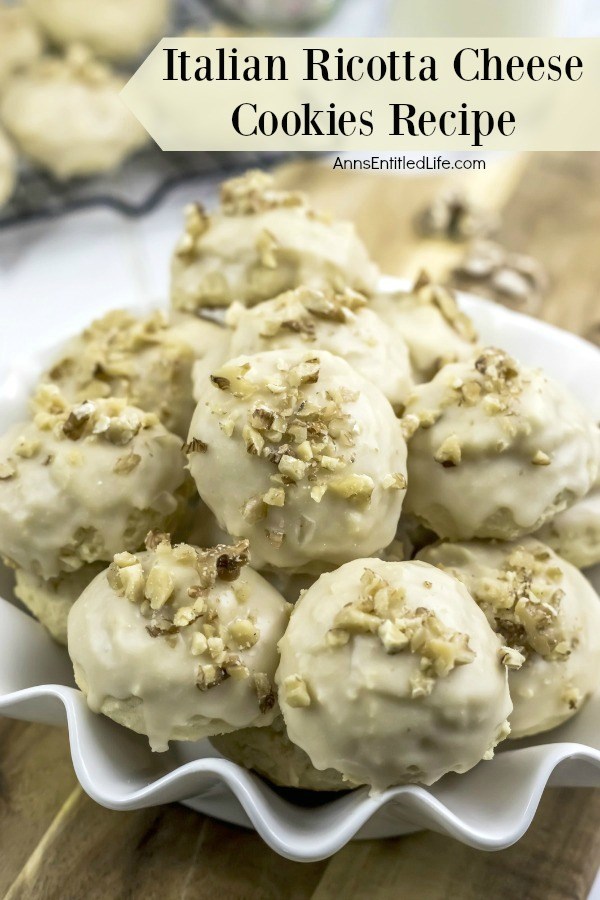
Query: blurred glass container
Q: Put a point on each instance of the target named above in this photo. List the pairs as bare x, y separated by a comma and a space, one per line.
278, 14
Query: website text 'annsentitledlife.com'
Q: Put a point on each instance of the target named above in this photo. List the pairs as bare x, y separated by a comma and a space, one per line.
427, 163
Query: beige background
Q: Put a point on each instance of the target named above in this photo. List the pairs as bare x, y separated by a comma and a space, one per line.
196, 115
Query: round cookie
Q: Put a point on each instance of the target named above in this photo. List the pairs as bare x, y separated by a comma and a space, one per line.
339, 322
20, 42
51, 601
548, 616
496, 449
8, 169
428, 320
179, 643
79, 484
66, 115
261, 242
298, 453
575, 533
270, 752
390, 674
114, 29
149, 360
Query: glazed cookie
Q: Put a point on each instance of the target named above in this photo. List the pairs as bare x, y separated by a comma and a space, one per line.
8, 169
260, 243
78, 484
179, 643
148, 360
575, 533
548, 616
114, 29
496, 449
428, 320
270, 752
339, 322
51, 601
391, 674
295, 451
65, 113
20, 42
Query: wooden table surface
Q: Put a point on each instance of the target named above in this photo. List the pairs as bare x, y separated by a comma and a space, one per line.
56, 843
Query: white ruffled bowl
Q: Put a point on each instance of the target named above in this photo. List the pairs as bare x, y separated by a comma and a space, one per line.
490, 807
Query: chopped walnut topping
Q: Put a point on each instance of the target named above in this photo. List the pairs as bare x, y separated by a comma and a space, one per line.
159, 586
541, 459
194, 446
199, 644
253, 193
395, 481
301, 310
275, 536
231, 560
27, 448
126, 464
7, 470
197, 223
353, 487
382, 610
295, 692
511, 657
522, 602
209, 676
184, 616
410, 424
77, 420
573, 697
110, 419
161, 629
427, 292
254, 510
221, 382
155, 538
449, 453
244, 633
264, 691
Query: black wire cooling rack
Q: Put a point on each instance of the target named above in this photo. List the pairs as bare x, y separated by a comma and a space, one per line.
143, 181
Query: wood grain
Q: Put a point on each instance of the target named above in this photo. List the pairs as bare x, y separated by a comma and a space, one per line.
56, 843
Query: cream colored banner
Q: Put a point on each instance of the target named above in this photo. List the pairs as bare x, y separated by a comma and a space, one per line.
370, 94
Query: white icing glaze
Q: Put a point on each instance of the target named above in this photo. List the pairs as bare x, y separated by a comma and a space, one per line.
67, 116
340, 323
150, 684
20, 41
71, 501
346, 499
260, 243
501, 448
363, 718
429, 322
575, 533
115, 29
517, 582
